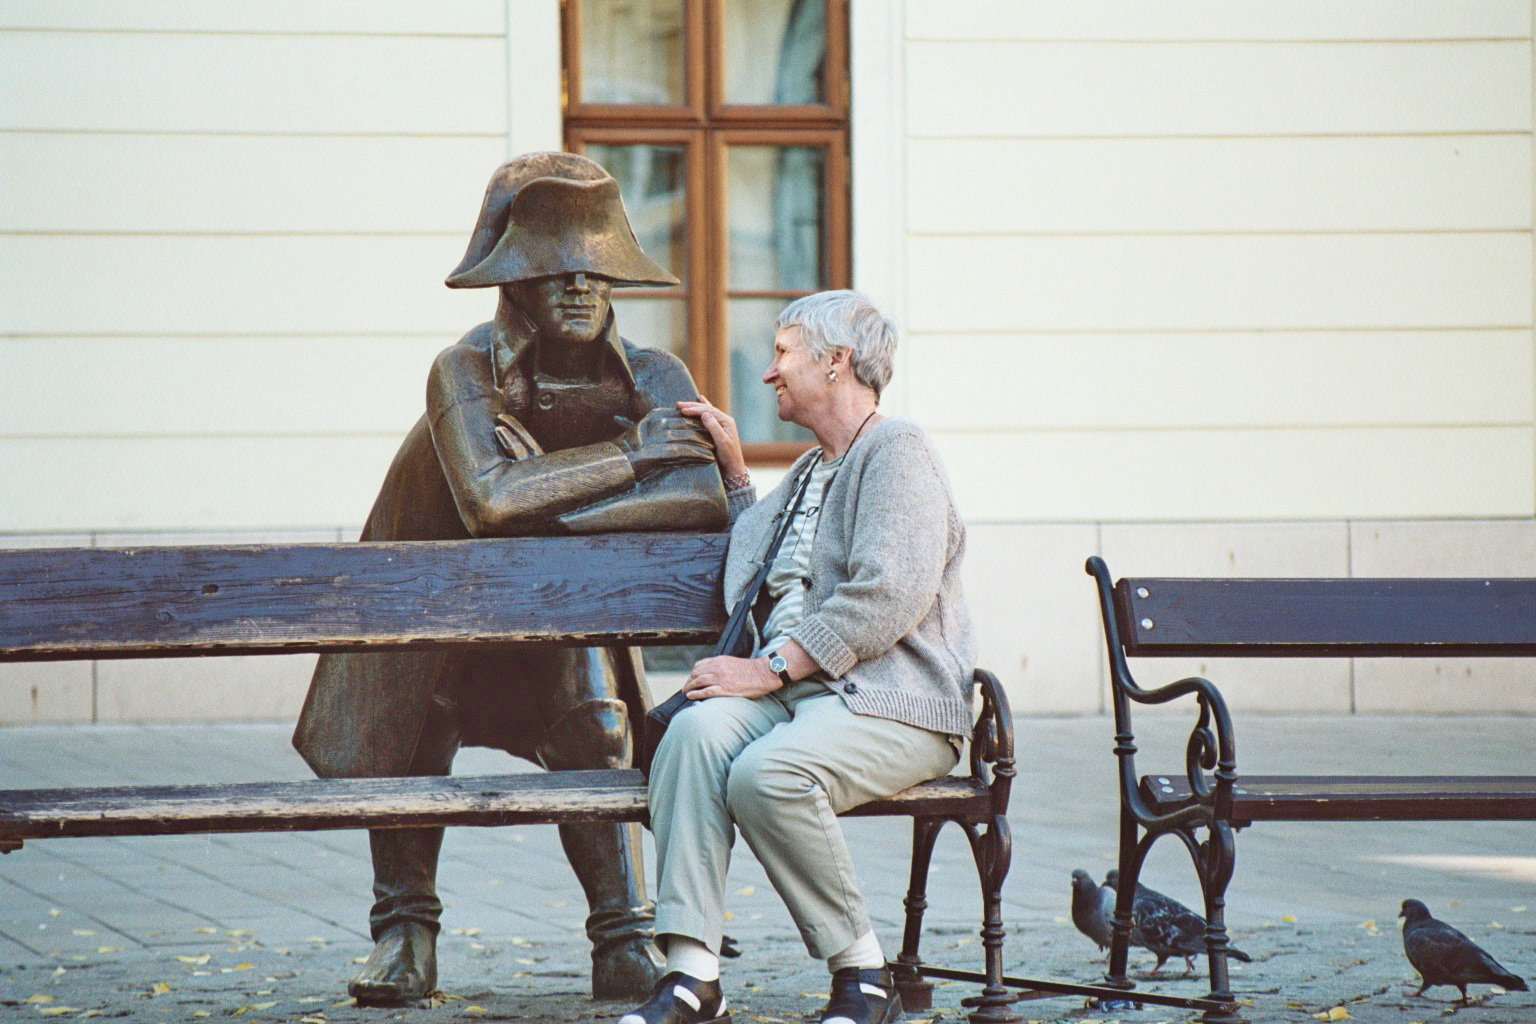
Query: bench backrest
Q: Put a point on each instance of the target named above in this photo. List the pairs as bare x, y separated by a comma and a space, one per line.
71, 603
1161, 617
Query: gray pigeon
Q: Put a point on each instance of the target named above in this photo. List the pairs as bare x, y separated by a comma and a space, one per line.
1167, 927
1444, 956
1092, 906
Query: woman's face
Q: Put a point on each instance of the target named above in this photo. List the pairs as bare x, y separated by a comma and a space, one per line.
796, 377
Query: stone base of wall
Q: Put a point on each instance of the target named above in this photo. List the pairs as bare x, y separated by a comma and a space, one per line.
1034, 607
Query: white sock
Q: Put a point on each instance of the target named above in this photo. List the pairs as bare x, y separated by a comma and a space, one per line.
865, 953
692, 957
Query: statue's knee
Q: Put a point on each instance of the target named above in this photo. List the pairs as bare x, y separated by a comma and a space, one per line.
593, 734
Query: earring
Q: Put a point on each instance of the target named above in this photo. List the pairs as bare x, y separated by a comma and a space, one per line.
832, 376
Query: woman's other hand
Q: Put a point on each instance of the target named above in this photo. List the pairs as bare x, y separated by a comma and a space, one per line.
722, 430
731, 677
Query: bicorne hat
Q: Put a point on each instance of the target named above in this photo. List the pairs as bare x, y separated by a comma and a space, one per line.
553, 213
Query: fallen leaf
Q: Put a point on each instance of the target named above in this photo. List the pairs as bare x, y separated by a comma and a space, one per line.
1337, 1013
199, 960
311, 1020
58, 972
1498, 990
730, 916
359, 959
556, 903
240, 931
89, 1013
201, 974
242, 967
474, 1009
344, 1002
264, 1006
465, 931
1495, 924
815, 995
524, 960
109, 949
746, 890
314, 938
159, 988
1517, 910
81, 931
39, 999
1059, 920
1366, 924
54, 912
477, 945
206, 931
202, 1013
1288, 919
54, 1011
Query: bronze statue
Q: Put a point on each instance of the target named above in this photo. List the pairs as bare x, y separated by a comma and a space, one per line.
543, 421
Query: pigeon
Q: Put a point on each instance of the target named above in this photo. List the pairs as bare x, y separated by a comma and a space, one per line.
1444, 956
1092, 906
1167, 927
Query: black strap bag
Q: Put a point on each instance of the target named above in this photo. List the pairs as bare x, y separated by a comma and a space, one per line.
735, 640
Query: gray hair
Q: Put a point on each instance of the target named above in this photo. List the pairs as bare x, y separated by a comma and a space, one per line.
846, 319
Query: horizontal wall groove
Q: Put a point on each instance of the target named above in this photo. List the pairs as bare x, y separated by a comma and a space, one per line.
1153, 331
254, 133
1232, 233
1209, 41
1216, 136
231, 233
937, 427
214, 435
253, 33
215, 335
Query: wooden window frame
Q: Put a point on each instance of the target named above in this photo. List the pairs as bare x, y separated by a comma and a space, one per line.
705, 125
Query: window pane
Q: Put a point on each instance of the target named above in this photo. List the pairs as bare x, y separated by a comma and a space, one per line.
753, 404
776, 212
632, 51
652, 323
775, 51
653, 181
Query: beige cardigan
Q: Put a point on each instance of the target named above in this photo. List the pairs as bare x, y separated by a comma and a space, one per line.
885, 617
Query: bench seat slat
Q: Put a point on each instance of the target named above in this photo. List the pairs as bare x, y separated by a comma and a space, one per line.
1327, 617
528, 798
1362, 797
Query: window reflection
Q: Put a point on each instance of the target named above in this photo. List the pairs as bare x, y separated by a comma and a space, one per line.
632, 51
753, 403
775, 212
775, 51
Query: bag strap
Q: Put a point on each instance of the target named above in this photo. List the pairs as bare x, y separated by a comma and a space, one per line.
731, 635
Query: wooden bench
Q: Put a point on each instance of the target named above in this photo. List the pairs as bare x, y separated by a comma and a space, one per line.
1268, 618
653, 588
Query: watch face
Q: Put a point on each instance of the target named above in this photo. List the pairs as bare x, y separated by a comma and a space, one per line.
777, 663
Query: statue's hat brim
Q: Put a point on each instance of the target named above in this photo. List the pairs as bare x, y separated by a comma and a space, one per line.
555, 225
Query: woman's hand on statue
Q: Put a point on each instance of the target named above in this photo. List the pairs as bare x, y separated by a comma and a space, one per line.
731, 677
722, 430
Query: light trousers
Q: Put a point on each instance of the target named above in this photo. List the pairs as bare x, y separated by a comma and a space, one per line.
780, 768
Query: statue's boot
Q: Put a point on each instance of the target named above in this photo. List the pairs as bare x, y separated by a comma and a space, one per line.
606, 857
403, 965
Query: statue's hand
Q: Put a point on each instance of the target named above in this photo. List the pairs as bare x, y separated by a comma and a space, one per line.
664, 438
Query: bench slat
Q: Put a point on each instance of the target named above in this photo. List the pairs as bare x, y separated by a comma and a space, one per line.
529, 798
64, 603
1327, 617
1362, 797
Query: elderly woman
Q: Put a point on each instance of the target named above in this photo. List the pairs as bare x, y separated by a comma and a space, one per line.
857, 688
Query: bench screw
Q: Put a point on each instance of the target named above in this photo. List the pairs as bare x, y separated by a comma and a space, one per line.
1143, 592
1146, 623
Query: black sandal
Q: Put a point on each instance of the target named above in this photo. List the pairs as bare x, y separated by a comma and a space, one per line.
863, 996
679, 998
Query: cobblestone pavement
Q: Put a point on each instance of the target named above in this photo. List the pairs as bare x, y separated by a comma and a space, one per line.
268, 927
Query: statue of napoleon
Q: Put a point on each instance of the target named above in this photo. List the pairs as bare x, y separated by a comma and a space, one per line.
543, 421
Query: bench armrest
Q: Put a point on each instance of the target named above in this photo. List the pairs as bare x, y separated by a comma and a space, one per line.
992, 760
1211, 746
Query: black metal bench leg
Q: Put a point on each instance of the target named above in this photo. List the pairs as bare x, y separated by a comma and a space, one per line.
1218, 854
993, 851
916, 991
1132, 854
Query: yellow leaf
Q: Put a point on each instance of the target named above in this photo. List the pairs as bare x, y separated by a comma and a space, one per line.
242, 967
159, 988
474, 1009
54, 912
199, 960
524, 960
81, 931
314, 938
240, 931
1337, 1013
344, 1002
1366, 924
746, 890
465, 931
206, 931
54, 1011
109, 949
1517, 910
730, 916
359, 959
202, 1013
39, 998
311, 1020
1495, 924
1288, 919
264, 1006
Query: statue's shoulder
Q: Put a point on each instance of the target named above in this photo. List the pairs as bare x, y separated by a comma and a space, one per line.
467, 356
660, 372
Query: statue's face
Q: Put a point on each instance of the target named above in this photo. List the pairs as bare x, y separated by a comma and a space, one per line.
566, 307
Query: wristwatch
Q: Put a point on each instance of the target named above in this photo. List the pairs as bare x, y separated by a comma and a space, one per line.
780, 667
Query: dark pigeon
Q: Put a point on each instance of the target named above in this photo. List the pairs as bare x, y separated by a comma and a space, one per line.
1444, 956
1092, 906
1167, 927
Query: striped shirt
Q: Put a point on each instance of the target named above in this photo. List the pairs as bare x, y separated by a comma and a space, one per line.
791, 571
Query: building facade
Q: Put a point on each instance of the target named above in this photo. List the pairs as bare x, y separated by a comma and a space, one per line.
1204, 288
